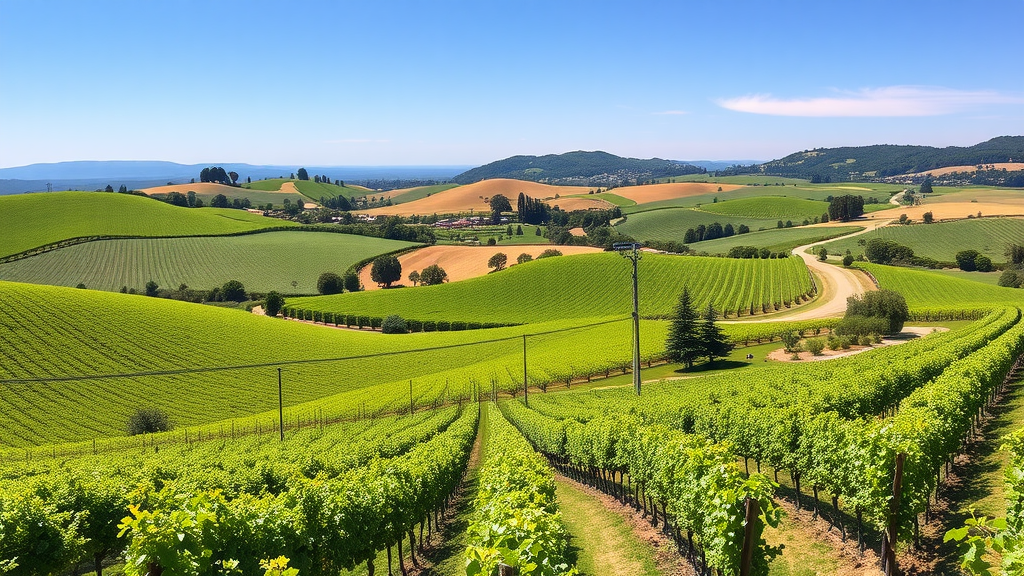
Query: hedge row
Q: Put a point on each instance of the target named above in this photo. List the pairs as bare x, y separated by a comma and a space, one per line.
374, 322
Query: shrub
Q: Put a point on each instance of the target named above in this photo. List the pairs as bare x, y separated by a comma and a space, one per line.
414, 325
815, 346
328, 317
330, 283
233, 291
318, 316
864, 340
966, 260
444, 326
362, 321
848, 260
473, 326
430, 326
524, 257
861, 326
1011, 278
148, 421
351, 282
834, 343
376, 321
876, 338
491, 241
458, 326
549, 253
885, 304
983, 263
790, 340
393, 324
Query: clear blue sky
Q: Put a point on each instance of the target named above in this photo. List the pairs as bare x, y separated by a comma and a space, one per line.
389, 83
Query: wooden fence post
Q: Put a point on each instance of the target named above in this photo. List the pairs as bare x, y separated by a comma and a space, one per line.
891, 535
747, 553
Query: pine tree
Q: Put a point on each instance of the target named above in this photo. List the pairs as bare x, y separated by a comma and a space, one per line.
683, 343
715, 343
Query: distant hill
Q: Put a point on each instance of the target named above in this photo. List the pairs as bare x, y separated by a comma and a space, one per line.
884, 161
578, 169
93, 175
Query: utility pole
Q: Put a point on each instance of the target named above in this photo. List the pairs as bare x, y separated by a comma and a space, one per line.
631, 251
280, 405
526, 386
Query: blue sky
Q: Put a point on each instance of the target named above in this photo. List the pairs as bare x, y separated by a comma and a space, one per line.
404, 83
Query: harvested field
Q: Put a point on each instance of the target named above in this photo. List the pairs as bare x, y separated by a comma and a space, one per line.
1011, 166
474, 197
658, 192
953, 210
464, 262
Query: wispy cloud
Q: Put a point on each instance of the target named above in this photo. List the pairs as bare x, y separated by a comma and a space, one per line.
356, 141
891, 101
671, 113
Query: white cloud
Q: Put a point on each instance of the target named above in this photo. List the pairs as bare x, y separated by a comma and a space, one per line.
888, 101
671, 113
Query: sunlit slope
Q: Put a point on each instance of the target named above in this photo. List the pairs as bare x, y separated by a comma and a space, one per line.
81, 335
289, 262
32, 220
584, 285
924, 289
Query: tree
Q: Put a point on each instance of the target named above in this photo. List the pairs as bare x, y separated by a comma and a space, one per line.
887, 305
151, 288
926, 186
965, 260
219, 201
352, 283
846, 207
432, 275
508, 231
414, 277
303, 175
983, 263
536, 231
1011, 278
190, 197
549, 253
1015, 254
716, 344
148, 421
524, 257
743, 229
273, 303
928, 218
500, 203
519, 230
233, 176
109, 188
491, 241
498, 261
329, 283
881, 251
848, 260
233, 291
386, 270
822, 253
683, 343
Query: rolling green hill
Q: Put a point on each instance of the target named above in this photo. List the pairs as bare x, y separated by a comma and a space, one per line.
672, 223
769, 207
578, 168
925, 289
416, 193
583, 286
32, 220
262, 262
801, 191
943, 240
310, 189
60, 332
776, 240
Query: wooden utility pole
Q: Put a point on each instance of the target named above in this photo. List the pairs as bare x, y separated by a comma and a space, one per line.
892, 532
631, 251
280, 404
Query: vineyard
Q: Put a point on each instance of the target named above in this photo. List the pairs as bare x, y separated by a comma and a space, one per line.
769, 207
289, 262
775, 240
32, 220
926, 291
538, 291
672, 223
943, 240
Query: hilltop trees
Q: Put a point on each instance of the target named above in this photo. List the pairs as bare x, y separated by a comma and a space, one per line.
498, 261
329, 283
845, 208
303, 175
432, 275
217, 175
386, 270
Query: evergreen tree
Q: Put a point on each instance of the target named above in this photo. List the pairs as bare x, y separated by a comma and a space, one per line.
715, 343
684, 343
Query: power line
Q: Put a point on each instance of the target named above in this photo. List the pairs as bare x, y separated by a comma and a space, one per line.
179, 371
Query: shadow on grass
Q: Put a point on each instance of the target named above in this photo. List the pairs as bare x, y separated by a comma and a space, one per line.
448, 558
716, 365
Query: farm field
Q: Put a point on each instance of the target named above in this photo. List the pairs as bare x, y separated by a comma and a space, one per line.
672, 223
308, 188
582, 286
819, 192
32, 220
404, 195
288, 262
770, 207
660, 192
207, 190
942, 240
462, 262
931, 290
88, 336
776, 240
473, 198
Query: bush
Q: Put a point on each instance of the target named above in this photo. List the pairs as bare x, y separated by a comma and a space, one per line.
458, 326
233, 291
865, 340
473, 326
885, 304
273, 304
790, 340
983, 263
861, 326
362, 321
444, 326
848, 260
351, 282
414, 325
330, 283
1011, 278
393, 324
815, 346
430, 326
148, 421
549, 253
376, 321
834, 343
966, 260
876, 338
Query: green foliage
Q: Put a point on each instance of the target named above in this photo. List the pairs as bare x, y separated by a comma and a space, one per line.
273, 303
881, 251
233, 291
942, 240
549, 253
498, 261
846, 207
769, 208
925, 290
965, 260
148, 421
329, 283
1011, 278
592, 168
684, 343
523, 258
352, 283
393, 324
386, 270
815, 345
775, 240
672, 223
848, 260
433, 275
888, 305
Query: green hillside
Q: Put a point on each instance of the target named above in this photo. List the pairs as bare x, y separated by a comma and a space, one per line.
262, 262
578, 168
583, 286
672, 223
943, 240
256, 197
776, 240
32, 220
801, 191
925, 289
770, 207
63, 332
416, 193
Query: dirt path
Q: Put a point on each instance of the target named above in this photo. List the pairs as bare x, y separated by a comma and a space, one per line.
611, 538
